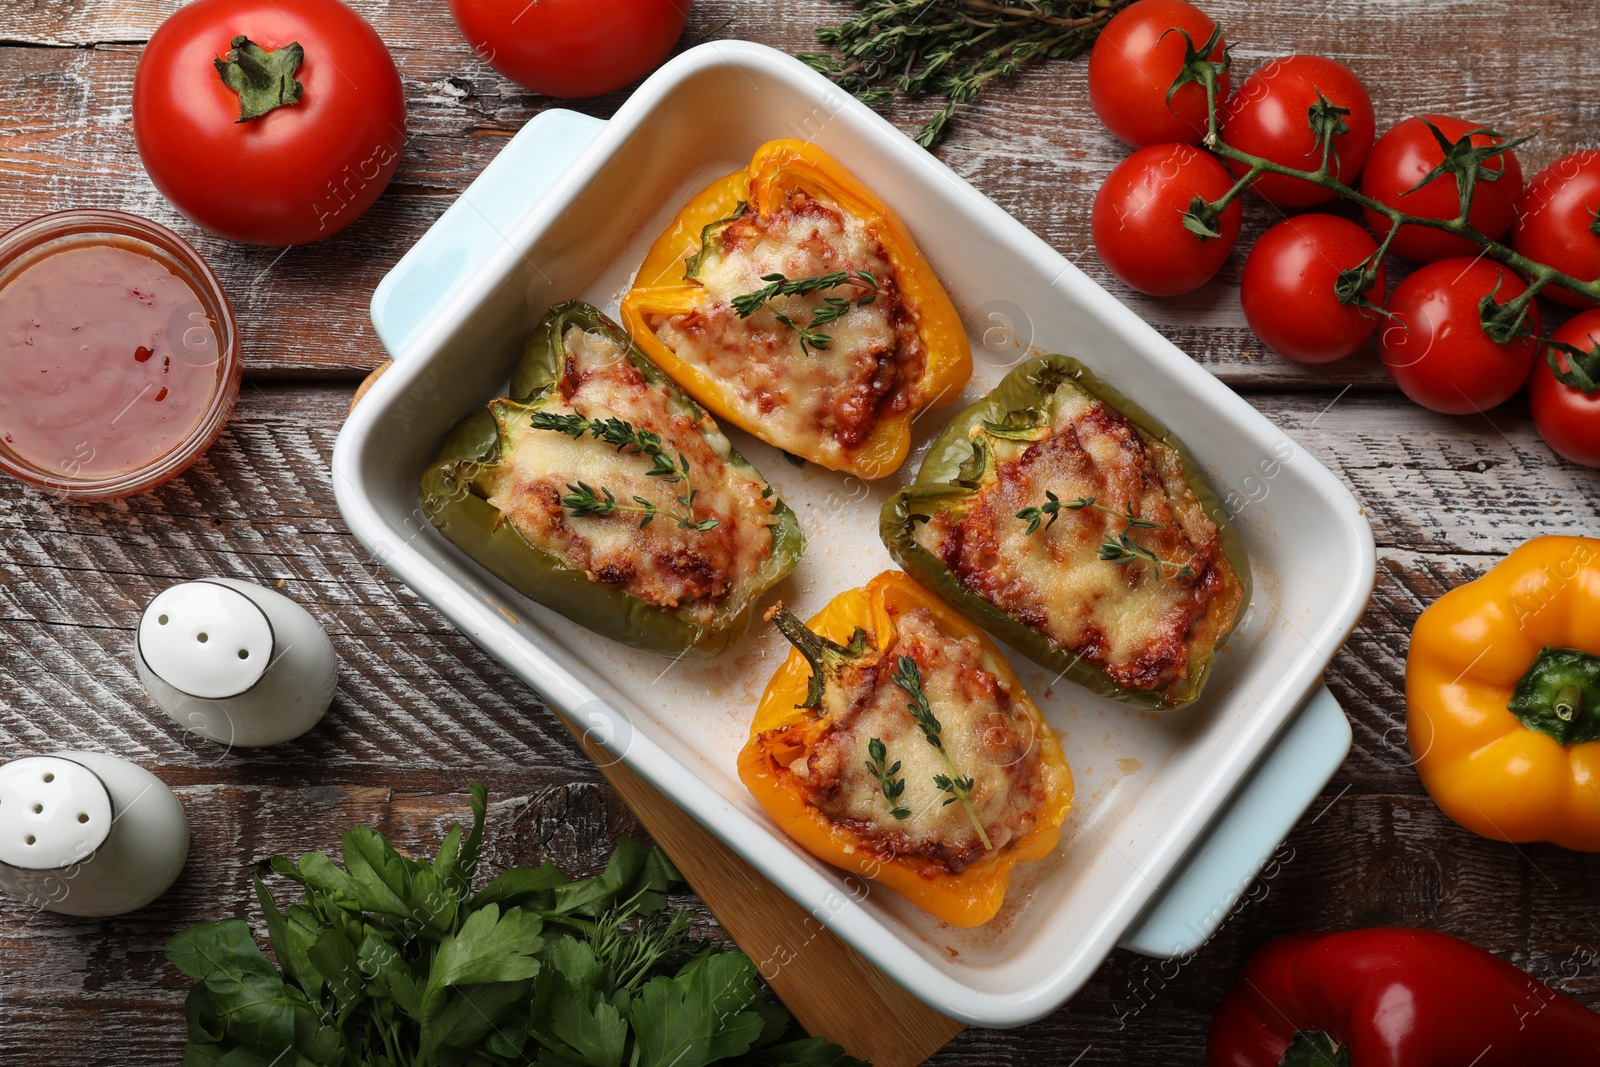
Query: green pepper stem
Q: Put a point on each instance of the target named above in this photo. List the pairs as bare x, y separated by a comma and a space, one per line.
1568, 702
1559, 696
825, 656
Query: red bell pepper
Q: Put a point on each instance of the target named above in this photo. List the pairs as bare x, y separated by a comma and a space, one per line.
1393, 997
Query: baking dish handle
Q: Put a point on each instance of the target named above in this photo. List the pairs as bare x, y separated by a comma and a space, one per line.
1226, 861
472, 228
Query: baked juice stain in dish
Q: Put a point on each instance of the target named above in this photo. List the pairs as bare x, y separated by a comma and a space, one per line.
109, 356
603, 492
1070, 524
896, 742
790, 300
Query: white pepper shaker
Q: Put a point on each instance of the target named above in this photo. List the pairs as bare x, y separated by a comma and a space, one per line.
234, 662
87, 834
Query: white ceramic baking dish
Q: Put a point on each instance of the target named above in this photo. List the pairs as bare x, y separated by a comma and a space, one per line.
1175, 813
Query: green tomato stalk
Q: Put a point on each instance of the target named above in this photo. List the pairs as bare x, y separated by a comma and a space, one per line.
1503, 322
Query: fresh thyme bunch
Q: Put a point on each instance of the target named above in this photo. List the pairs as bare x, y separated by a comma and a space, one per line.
950, 48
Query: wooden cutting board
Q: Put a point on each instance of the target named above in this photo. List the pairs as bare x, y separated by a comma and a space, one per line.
829, 987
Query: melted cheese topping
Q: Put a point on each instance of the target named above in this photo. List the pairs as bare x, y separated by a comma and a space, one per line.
989, 736
820, 403
1140, 623
695, 573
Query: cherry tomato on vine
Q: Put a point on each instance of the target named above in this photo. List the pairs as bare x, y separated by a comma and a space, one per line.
1435, 346
1404, 155
571, 48
1556, 220
1270, 117
1136, 59
1137, 220
254, 140
1288, 288
1568, 418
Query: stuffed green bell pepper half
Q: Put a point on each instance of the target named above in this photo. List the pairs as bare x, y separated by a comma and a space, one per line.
600, 490
1069, 523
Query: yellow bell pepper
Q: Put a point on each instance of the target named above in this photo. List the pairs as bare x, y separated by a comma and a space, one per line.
666, 286
1503, 697
786, 727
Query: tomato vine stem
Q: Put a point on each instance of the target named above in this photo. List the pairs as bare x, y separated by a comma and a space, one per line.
1502, 321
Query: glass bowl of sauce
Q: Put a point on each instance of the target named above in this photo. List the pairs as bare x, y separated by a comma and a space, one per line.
119, 360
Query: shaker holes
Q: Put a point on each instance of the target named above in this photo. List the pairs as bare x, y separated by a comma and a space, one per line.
162, 619
202, 638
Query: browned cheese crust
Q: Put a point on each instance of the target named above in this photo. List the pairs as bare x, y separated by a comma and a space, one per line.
988, 734
1139, 622
827, 399
694, 571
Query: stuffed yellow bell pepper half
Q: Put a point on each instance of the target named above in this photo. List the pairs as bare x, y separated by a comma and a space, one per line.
1503, 697
896, 742
792, 302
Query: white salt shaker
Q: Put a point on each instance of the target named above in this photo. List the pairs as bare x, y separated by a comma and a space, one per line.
86, 834
234, 662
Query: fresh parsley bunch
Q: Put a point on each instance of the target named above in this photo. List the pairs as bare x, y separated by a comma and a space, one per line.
394, 962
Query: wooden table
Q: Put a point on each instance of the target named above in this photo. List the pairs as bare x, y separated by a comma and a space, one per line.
421, 711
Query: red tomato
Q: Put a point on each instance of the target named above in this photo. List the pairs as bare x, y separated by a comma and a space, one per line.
1134, 63
1435, 347
1556, 219
1567, 418
298, 173
572, 47
1404, 155
1137, 221
1269, 117
1288, 288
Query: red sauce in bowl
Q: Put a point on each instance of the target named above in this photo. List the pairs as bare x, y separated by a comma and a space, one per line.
117, 360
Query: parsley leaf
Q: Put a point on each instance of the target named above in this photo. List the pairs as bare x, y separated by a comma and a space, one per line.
394, 961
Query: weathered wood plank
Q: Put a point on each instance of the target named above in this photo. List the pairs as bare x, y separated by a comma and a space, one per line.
415, 692
104, 986
421, 711
1034, 146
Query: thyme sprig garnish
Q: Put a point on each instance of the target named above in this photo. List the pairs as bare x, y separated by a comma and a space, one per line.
909, 678
888, 777
1122, 550
1116, 548
583, 499
780, 284
1053, 504
832, 310
1463, 160
951, 48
